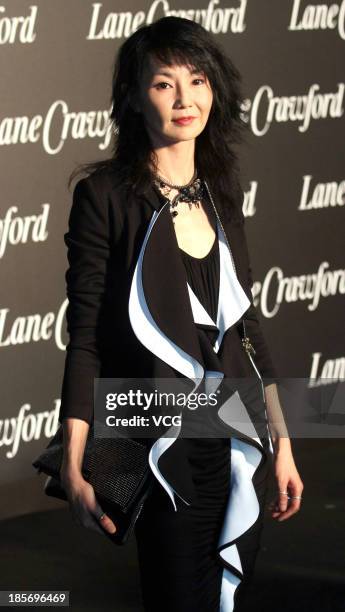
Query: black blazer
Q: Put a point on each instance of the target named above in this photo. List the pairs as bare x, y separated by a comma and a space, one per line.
107, 231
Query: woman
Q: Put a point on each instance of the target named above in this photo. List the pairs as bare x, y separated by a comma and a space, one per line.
155, 290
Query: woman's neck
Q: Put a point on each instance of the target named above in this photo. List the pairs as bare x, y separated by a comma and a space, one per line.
175, 163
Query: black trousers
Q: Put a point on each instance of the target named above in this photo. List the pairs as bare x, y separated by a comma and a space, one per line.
180, 570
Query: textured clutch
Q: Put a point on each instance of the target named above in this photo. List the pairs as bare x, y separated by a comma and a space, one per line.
118, 470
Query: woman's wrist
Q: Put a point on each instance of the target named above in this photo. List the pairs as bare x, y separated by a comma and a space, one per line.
281, 444
70, 472
75, 433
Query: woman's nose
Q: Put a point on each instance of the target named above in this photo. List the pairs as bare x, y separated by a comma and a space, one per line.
183, 97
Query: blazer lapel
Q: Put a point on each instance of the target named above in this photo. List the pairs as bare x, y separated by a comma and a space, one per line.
163, 311
168, 305
159, 305
161, 317
232, 299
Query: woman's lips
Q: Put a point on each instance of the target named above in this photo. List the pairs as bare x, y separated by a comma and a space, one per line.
184, 121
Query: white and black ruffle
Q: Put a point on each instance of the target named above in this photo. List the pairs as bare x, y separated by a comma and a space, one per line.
149, 316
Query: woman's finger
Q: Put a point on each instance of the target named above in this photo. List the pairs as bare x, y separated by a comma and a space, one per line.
284, 508
295, 498
283, 499
91, 522
105, 522
108, 524
294, 506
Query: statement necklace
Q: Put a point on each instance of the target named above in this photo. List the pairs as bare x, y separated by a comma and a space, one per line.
192, 192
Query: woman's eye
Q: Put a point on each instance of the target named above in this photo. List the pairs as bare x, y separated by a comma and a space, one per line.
158, 85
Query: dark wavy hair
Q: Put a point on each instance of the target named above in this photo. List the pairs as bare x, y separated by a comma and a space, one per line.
176, 40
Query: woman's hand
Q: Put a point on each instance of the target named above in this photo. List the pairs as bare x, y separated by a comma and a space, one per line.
84, 506
288, 479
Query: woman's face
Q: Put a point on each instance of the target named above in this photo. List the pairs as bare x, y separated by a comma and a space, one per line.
168, 93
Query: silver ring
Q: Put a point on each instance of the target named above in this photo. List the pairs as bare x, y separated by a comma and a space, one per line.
290, 496
100, 518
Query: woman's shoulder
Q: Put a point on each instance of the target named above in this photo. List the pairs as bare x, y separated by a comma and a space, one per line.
98, 204
101, 191
104, 180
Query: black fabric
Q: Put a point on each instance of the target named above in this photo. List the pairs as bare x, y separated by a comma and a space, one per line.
180, 569
177, 555
106, 229
203, 273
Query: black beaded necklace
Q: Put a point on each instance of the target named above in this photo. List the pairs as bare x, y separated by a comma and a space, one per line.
191, 193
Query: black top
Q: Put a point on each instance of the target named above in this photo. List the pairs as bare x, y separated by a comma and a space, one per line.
203, 274
203, 277
102, 340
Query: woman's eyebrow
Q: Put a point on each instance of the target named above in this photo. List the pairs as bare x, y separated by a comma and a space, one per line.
170, 74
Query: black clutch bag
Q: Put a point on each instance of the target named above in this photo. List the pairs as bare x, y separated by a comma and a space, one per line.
118, 470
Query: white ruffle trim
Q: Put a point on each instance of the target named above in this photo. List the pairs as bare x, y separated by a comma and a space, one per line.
243, 507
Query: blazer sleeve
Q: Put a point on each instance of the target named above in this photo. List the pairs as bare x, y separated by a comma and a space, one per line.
262, 357
88, 254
